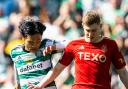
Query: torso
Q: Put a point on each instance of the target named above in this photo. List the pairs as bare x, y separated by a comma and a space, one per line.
92, 63
32, 67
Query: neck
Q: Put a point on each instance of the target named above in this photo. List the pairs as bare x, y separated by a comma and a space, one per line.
96, 40
99, 40
30, 50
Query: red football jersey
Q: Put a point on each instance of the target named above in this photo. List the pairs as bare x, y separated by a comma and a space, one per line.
92, 62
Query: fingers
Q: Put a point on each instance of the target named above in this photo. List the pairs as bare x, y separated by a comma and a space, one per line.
48, 50
30, 86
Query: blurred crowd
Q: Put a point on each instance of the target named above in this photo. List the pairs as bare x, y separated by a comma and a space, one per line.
63, 21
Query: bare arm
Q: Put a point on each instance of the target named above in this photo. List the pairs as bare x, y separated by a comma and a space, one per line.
17, 85
51, 75
123, 73
58, 46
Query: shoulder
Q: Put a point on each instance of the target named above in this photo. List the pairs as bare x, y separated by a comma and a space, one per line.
72, 44
46, 42
77, 41
17, 49
109, 40
110, 43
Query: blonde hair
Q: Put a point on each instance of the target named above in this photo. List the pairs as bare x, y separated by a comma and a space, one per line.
91, 17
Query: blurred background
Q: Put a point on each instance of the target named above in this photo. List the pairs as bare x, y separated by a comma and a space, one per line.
63, 21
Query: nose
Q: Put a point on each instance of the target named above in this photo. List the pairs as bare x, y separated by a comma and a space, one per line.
90, 34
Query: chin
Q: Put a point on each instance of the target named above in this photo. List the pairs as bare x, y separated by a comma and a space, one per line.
34, 51
91, 41
88, 40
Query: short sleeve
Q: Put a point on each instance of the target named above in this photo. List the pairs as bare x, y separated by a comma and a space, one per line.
12, 54
117, 57
60, 45
68, 55
16, 75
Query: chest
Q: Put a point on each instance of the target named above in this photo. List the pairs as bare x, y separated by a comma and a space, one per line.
94, 53
29, 62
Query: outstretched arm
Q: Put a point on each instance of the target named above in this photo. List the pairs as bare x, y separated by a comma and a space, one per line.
49, 77
17, 84
57, 46
123, 73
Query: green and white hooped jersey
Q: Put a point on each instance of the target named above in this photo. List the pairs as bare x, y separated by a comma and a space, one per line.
32, 67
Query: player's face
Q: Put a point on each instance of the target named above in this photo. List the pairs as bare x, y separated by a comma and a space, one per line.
32, 42
92, 32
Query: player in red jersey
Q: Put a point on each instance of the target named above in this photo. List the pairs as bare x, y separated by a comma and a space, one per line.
93, 56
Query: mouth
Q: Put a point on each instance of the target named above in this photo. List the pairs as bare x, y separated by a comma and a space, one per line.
32, 48
90, 37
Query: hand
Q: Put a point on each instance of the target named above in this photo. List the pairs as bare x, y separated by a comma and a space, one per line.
2, 81
31, 86
49, 49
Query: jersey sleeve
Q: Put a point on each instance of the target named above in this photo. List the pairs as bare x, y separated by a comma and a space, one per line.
117, 57
60, 45
68, 55
16, 75
12, 54
15, 51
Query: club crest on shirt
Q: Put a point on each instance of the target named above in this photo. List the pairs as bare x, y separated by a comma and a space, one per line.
104, 48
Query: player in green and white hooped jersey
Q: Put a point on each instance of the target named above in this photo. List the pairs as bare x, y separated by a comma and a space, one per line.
30, 63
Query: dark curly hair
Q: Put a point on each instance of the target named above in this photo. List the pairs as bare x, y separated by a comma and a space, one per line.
30, 26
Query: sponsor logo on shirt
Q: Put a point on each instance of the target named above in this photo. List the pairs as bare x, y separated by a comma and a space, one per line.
34, 67
92, 56
31, 67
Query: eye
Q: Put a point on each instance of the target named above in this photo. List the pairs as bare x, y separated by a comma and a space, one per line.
30, 42
93, 30
88, 30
